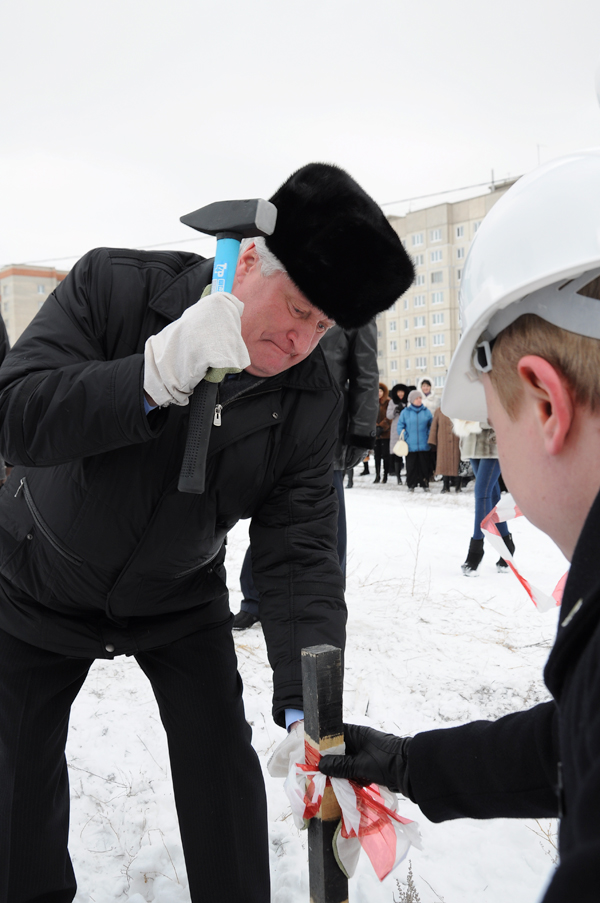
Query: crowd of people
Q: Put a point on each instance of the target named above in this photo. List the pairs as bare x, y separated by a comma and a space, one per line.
415, 439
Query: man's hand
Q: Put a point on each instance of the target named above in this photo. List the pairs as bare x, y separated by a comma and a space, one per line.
288, 752
208, 334
371, 758
354, 456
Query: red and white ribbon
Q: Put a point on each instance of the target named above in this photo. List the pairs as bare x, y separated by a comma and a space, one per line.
506, 509
369, 815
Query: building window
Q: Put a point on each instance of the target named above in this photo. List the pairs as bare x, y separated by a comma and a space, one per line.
392, 326
407, 344
378, 317
420, 280
439, 339
458, 275
407, 364
417, 239
419, 300
476, 226
392, 308
393, 345
379, 333
421, 363
380, 353
437, 297
406, 324
393, 365
437, 319
406, 303
435, 235
381, 371
439, 381
420, 341
41, 290
419, 322
437, 276
460, 253
419, 260
6, 306
436, 256
439, 360
460, 231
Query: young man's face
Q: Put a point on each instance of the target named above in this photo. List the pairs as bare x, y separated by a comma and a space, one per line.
280, 326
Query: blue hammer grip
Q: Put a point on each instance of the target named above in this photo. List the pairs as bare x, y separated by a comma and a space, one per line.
192, 477
225, 263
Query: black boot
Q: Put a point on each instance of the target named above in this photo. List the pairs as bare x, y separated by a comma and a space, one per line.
446, 484
469, 568
501, 565
377, 479
350, 482
457, 484
365, 471
384, 478
244, 619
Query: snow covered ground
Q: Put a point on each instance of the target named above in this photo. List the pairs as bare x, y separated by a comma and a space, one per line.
427, 648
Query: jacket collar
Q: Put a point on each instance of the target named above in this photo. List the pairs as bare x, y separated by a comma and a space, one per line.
183, 290
580, 610
187, 287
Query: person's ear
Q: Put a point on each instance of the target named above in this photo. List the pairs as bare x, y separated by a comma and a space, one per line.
549, 398
246, 261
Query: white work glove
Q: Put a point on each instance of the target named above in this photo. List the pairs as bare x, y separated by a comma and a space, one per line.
289, 751
207, 335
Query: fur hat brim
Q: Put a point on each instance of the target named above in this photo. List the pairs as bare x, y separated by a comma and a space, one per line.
337, 245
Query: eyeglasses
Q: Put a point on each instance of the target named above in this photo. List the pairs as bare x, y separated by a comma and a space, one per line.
482, 357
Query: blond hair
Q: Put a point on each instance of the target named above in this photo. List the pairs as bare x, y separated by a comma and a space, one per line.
576, 357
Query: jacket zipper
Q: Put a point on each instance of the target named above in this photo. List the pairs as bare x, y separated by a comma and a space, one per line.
45, 530
197, 567
246, 392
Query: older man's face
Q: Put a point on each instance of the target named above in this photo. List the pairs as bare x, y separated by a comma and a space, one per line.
279, 325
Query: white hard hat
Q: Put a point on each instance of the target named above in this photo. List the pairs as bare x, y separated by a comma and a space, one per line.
535, 249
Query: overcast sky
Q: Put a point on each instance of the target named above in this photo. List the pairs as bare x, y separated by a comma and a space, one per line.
119, 116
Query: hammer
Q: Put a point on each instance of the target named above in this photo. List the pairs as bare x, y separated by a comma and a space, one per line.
230, 222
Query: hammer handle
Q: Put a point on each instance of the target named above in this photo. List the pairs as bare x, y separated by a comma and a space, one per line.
193, 469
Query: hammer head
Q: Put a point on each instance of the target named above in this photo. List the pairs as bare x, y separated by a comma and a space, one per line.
237, 219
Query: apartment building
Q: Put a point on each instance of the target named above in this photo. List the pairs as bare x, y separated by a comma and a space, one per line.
23, 290
419, 333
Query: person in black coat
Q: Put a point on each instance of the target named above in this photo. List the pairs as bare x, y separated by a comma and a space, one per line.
528, 362
101, 555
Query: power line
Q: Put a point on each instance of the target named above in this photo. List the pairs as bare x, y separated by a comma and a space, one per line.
167, 244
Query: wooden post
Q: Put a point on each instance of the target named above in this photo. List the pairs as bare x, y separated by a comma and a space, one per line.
323, 728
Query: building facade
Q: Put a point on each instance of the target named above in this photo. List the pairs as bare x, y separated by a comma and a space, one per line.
418, 334
23, 290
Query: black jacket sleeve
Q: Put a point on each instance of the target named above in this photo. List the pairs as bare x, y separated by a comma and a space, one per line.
363, 382
295, 564
62, 397
488, 769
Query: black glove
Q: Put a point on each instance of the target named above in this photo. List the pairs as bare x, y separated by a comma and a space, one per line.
354, 456
371, 758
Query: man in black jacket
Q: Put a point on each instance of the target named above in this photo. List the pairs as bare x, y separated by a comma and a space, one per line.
100, 555
529, 363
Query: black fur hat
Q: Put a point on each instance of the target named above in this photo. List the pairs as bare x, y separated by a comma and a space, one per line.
337, 246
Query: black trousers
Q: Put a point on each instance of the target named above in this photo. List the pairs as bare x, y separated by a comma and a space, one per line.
382, 455
417, 469
219, 789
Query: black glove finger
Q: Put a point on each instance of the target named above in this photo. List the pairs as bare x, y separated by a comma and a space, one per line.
335, 766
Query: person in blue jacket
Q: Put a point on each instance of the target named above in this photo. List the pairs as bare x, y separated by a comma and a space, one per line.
415, 420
